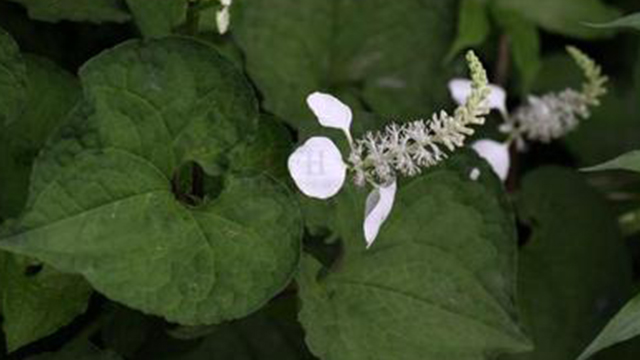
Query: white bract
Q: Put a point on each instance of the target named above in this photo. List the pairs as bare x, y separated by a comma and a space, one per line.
317, 168
377, 209
331, 112
223, 16
460, 90
496, 154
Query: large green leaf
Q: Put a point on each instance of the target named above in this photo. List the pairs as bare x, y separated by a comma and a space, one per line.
566, 17
51, 93
437, 284
35, 305
13, 79
574, 270
391, 52
101, 201
157, 18
97, 11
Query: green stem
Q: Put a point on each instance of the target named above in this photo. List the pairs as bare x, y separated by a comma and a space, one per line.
193, 17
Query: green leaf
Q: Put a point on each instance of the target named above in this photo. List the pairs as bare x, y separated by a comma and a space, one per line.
101, 201
629, 161
390, 52
473, 26
157, 18
97, 11
575, 270
13, 79
566, 17
51, 93
36, 305
438, 283
630, 21
624, 326
524, 42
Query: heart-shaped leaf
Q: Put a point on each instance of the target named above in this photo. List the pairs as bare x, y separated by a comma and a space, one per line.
438, 283
101, 202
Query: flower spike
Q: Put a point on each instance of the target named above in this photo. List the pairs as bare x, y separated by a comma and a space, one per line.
552, 116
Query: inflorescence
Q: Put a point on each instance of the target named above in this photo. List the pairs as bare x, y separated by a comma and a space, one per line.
553, 115
410, 147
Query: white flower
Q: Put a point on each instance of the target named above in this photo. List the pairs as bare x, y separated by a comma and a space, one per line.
379, 157
317, 168
460, 90
496, 154
331, 112
377, 209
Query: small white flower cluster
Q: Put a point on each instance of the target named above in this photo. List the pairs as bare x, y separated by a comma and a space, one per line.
548, 117
411, 147
223, 16
319, 171
554, 115
543, 118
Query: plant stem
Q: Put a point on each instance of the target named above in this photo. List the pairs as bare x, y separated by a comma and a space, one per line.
193, 17
503, 65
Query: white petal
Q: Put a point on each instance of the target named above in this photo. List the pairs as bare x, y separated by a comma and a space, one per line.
223, 18
330, 111
226, 2
317, 168
496, 154
461, 89
378, 208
